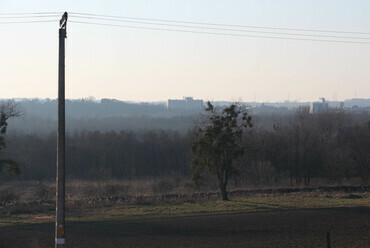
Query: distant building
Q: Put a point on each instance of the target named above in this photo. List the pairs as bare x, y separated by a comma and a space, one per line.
188, 103
319, 107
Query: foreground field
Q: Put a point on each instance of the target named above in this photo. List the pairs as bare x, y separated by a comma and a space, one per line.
349, 227
280, 221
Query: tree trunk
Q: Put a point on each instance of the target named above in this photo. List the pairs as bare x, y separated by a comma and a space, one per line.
223, 192
291, 179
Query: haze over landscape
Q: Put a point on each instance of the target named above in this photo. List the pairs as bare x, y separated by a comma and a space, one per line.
242, 123
151, 65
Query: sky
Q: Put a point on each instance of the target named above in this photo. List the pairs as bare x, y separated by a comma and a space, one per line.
151, 65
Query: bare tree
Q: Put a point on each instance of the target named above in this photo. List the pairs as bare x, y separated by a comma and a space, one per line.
218, 143
8, 110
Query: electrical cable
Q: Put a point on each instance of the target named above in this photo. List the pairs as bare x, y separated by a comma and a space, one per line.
24, 22
224, 29
32, 13
280, 35
32, 16
225, 25
213, 33
23, 17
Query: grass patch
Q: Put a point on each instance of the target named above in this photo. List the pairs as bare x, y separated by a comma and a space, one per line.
178, 209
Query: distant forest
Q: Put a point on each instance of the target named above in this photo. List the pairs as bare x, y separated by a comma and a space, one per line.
284, 145
40, 115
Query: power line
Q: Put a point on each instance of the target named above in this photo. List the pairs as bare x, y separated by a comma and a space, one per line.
188, 22
223, 29
336, 39
24, 22
32, 13
225, 25
27, 16
223, 34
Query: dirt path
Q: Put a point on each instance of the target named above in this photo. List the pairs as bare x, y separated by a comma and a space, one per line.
349, 227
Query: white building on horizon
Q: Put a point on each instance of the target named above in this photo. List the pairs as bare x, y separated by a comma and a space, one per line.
319, 107
188, 103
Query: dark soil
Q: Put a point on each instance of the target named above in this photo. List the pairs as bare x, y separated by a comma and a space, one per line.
348, 227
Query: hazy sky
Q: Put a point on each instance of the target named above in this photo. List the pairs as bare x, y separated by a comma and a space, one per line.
148, 65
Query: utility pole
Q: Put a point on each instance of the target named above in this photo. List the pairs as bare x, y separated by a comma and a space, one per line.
60, 180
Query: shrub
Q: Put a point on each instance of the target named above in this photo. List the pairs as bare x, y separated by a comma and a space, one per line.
163, 186
261, 173
116, 189
8, 195
44, 193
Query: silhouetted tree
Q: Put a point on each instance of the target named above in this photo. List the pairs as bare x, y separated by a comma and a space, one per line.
217, 143
7, 110
357, 141
295, 145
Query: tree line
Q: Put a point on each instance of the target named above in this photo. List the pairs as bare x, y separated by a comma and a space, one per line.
294, 147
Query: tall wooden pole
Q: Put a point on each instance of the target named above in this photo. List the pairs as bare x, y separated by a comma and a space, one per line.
60, 180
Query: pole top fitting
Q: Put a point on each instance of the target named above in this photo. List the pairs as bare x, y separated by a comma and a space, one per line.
63, 21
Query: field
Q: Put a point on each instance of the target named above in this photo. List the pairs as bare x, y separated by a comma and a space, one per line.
290, 220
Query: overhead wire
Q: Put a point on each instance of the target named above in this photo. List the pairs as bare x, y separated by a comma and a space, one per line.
24, 18
203, 27
27, 16
32, 13
30, 21
214, 33
222, 29
225, 25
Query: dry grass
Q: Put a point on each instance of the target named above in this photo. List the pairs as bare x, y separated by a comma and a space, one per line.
106, 212
30, 197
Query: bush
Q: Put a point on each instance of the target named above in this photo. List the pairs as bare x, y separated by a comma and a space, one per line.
190, 186
116, 189
163, 186
261, 173
44, 193
8, 195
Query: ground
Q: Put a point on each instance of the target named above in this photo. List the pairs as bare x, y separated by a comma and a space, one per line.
349, 227
280, 221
